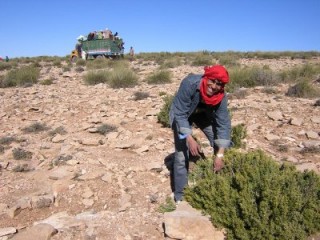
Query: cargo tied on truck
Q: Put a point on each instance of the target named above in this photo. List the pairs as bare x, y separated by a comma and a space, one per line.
98, 44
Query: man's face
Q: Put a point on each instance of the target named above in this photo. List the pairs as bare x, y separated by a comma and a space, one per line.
214, 86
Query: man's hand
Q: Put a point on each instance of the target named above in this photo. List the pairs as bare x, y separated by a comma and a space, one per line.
194, 147
218, 164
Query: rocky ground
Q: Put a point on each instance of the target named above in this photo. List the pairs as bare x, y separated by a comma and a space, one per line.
92, 186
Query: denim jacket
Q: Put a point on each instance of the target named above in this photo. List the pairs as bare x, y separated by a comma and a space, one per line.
185, 103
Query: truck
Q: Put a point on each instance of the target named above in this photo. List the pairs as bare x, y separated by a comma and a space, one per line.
111, 47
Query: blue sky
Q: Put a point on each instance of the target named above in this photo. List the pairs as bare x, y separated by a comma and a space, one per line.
31, 28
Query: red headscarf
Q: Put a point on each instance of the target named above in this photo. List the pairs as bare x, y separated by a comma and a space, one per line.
213, 72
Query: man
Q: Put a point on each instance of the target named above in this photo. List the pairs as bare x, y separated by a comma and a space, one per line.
131, 53
200, 100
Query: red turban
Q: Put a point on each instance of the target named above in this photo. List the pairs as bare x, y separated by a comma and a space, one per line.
213, 72
216, 72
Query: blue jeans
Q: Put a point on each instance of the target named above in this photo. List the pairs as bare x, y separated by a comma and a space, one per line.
181, 154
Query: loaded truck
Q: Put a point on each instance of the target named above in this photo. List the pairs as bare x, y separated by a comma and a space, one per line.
102, 44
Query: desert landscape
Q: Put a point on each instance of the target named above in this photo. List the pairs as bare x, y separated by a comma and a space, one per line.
82, 184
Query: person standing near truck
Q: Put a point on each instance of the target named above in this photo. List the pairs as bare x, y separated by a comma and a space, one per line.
200, 100
131, 53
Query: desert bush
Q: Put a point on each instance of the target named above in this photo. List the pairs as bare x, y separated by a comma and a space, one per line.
168, 206
21, 168
251, 77
7, 140
79, 69
57, 63
5, 66
270, 90
21, 77
141, 95
47, 81
106, 128
253, 197
229, 60
202, 60
35, 128
21, 154
238, 133
159, 77
81, 62
171, 63
98, 63
317, 103
96, 77
298, 73
303, 89
163, 115
122, 77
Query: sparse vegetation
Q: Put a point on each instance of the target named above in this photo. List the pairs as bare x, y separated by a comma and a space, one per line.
106, 128
238, 133
93, 78
47, 81
303, 89
122, 77
21, 154
7, 140
21, 77
168, 206
35, 128
159, 77
253, 197
163, 115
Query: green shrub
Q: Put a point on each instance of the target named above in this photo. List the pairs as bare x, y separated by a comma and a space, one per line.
238, 133
5, 66
7, 140
251, 77
303, 89
299, 73
168, 206
106, 128
57, 63
163, 115
93, 78
47, 81
21, 77
21, 154
35, 128
253, 197
160, 77
81, 62
171, 63
122, 77
202, 60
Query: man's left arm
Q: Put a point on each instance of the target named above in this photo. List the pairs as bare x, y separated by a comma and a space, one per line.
223, 130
